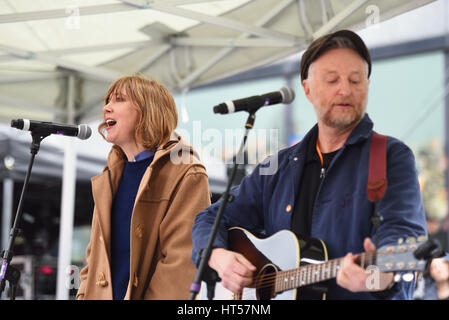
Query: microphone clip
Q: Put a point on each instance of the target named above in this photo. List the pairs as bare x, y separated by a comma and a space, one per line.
36, 143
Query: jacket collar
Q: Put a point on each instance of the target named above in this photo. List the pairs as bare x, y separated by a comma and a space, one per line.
117, 156
360, 133
105, 184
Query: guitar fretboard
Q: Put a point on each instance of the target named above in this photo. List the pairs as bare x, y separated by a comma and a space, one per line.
314, 273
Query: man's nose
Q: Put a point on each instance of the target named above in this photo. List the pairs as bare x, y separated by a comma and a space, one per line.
344, 88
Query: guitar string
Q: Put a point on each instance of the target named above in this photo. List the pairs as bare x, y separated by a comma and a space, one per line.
269, 279
365, 256
267, 276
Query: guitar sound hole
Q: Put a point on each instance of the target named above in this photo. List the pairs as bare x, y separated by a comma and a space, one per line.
265, 283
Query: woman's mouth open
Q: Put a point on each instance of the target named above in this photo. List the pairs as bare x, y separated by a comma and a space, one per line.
110, 123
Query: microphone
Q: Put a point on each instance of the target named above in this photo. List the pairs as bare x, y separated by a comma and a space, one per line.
82, 131
284, 95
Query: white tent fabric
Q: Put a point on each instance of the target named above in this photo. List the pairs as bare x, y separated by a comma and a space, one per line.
182, 43
57, 58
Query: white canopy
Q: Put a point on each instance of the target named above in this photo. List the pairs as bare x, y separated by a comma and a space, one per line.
182, 43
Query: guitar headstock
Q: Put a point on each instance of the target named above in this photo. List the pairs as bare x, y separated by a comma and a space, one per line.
401, 257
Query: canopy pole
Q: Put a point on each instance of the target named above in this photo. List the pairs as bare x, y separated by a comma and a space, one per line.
67, 204
8, 196
446, 127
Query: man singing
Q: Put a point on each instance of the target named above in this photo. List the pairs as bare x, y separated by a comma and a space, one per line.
319, 189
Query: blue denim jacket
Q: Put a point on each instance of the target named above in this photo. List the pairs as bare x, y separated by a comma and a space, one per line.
342, 212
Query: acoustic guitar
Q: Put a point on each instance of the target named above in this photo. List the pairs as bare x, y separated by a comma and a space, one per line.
291, 268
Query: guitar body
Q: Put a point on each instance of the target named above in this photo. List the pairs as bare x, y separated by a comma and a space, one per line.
292, 268
281, 251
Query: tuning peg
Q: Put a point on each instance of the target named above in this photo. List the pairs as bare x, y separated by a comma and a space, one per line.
410, 240
407, 277
422, 238
400, 240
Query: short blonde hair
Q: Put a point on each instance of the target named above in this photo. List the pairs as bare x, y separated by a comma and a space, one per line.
156, 107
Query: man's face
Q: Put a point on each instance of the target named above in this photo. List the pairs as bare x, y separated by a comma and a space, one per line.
337, 86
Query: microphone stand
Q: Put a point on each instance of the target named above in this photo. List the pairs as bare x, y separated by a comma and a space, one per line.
204, 272
7, 272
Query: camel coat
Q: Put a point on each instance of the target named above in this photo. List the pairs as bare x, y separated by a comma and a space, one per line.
172, 191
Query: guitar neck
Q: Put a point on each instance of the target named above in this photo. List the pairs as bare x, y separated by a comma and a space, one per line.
314, 273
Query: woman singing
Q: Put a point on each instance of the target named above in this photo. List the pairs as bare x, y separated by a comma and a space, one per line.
145, 199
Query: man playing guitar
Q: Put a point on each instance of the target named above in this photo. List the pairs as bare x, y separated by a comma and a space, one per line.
319, 187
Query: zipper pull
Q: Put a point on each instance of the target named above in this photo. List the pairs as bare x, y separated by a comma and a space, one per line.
323, 172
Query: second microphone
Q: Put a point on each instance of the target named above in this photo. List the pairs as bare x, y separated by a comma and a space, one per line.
284, 95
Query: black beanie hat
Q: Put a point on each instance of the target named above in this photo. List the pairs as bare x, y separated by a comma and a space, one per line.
326, 43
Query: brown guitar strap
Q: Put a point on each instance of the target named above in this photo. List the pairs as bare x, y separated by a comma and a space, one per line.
377, 176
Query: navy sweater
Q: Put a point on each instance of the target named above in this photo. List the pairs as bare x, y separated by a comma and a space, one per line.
121, 213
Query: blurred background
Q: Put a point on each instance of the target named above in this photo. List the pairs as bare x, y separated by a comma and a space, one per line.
57, 59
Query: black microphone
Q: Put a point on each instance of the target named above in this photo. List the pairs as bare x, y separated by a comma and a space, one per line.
82, 131
284, 95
